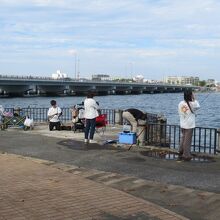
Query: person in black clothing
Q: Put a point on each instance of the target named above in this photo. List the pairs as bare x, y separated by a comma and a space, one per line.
132, 115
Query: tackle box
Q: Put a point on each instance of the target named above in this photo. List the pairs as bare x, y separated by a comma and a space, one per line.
127, 138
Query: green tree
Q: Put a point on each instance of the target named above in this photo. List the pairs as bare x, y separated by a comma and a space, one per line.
202, 83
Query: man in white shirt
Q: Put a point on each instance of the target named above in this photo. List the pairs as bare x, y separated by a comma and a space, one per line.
90, 114
53, 114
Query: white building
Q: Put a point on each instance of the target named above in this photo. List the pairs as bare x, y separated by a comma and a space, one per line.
138, 78
182, 80
59, 75
100, 77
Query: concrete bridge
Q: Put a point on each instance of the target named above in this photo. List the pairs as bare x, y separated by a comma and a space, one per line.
20, 86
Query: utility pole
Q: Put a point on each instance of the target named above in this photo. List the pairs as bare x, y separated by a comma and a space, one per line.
131, 66
78, 70
75, 65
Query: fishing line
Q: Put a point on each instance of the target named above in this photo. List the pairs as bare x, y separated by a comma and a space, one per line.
205, 97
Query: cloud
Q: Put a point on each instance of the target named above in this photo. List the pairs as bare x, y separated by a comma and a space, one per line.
155, 53
192, 43
102, 31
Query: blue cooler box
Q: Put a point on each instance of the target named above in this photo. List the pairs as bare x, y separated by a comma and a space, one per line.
127, 138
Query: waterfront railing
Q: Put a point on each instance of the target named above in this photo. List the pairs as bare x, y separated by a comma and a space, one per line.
39, 115
205, 140
158, 132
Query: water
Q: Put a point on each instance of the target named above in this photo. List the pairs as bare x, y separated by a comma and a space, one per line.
164, 103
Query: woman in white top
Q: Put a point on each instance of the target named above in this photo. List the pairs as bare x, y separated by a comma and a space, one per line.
90, 114
186, 111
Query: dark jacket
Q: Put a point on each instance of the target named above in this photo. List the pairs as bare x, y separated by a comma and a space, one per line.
137, 113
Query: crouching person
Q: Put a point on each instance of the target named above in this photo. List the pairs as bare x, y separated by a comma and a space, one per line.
133, 115
54, 114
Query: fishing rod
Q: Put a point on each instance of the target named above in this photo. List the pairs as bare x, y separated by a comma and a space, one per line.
138, 137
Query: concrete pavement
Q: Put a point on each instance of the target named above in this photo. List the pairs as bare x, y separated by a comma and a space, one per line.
32, 190
195, 193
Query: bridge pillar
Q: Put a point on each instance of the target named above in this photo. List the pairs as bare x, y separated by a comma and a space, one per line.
111, 92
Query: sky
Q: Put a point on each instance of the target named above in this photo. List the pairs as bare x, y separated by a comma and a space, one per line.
122, 38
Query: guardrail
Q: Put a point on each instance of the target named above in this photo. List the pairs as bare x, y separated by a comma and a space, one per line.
40, 114
205, 140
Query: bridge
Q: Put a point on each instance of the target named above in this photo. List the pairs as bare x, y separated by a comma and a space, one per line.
23, 85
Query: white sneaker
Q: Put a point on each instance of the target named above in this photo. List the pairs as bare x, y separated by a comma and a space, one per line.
91, 141
86, 141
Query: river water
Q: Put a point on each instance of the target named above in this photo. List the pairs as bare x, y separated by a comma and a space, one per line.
164, 103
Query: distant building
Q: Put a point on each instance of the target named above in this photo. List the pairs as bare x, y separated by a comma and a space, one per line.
100, 77
173, 80
182, 80
59, 75
210, 82
190, 80
138, 78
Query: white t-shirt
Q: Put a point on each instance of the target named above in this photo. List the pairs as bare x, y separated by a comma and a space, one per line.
187, 118
53, 114
91, 108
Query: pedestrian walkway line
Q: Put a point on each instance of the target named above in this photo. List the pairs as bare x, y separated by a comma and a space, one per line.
35, 189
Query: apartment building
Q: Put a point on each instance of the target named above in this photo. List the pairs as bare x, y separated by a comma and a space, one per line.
182, 80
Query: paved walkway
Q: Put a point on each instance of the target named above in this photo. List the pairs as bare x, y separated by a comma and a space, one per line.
32, 190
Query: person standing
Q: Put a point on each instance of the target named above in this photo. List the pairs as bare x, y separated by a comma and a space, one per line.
54, 114
186, 109
133, 115
91, 112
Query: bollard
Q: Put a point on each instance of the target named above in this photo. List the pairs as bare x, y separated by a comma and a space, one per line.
118, 117
218, 138
156, 131
141, 132
162, 138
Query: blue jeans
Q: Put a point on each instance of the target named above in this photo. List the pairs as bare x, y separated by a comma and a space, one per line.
90, 128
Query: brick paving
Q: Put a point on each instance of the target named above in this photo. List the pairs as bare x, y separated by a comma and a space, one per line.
31, 190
